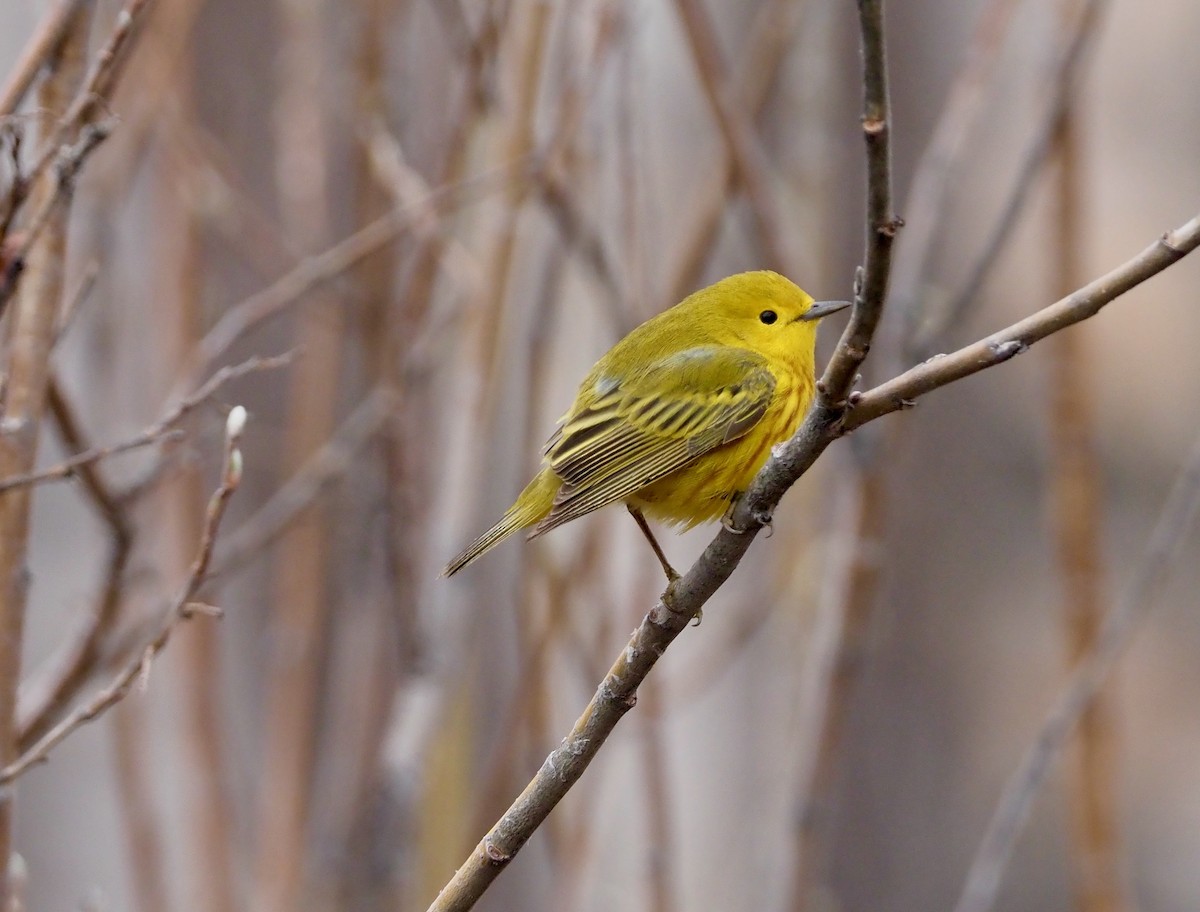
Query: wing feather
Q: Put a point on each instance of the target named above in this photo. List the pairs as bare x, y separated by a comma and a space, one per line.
644, 428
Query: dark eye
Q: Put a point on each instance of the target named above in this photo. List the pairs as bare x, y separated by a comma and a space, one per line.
768, 316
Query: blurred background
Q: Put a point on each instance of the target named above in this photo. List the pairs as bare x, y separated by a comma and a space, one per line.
448, 209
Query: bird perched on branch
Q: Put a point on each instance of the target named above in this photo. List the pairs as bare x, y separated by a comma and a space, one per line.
680, 415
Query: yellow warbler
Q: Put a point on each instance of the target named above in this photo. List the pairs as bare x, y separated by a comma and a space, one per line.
680, 415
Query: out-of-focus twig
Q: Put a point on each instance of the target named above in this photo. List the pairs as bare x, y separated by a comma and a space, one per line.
66, 168
1149, 577
332, 461
97, 89
942, 311
1078, 520
759, 61
182, 608
77, 297
155, 432
740, 137
31, 333
319, 268
51, 31
42, 701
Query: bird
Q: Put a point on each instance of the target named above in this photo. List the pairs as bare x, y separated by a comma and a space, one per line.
678, 417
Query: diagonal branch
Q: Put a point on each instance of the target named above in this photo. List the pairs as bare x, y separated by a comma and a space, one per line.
617, 693
1178, 513
685, 597
741, 139
837, 412
182, 608
999, 347
50, 33
157, 431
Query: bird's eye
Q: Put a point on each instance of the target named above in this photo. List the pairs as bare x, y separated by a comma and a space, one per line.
768, 316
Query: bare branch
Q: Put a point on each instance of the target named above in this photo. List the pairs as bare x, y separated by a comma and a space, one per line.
97, 88
899, 392
182, 608
872, 281
157, 431
329, 463
741, 140
42, 700
312, 272
67, 165
1178, 513
684, 599
50, 33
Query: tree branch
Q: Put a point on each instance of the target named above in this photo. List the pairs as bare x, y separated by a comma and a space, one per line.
617, 693
835, 413
157, 431
50, 33
882, 224
1178, 513
181, 609
899, 392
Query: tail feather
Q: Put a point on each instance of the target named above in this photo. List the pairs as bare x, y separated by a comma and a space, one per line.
488, 540
533, 504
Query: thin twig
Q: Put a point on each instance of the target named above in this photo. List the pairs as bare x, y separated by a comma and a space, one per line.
43, 699
741, 139
50, 33
389, 165
67, 165
899, 392
181, 609
1178, 513
97, 88
944, 311
882, 224
157, 431
331, 462
71, 430
76, 298
316, 270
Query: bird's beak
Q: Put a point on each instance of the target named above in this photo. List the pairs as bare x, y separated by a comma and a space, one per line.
823, 309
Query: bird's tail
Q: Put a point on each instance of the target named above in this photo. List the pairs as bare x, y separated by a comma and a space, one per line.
533, 504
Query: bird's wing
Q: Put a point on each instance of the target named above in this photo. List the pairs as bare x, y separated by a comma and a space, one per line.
634, 432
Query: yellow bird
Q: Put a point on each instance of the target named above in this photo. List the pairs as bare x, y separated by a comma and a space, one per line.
680, 415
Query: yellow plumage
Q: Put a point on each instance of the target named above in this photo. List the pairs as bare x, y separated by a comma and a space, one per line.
681, 414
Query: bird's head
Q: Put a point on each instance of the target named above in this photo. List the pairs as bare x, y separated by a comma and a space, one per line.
765, 312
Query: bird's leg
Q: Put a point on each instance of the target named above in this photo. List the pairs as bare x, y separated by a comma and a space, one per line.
670, 571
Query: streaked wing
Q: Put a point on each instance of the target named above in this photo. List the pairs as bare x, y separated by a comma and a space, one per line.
634, 433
